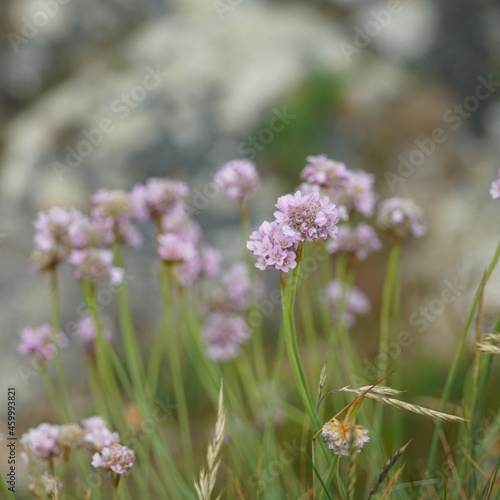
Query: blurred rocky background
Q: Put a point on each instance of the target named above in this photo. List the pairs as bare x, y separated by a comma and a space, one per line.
106, 93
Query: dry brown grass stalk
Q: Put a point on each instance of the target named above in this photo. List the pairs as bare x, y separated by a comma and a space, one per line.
402, 405
206, 482
386, 469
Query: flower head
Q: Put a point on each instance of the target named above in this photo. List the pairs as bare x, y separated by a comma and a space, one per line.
97, 435
51, 239
157, 197
111, 216
173, 249
41, 341
70, 435
345, 300
116, 458
495, 187
238, 179
42, 442
86, 333
401, 217
273, 247
348, 189
307, 217
324, 172
336, 435
95, 265
359, 241
224, 334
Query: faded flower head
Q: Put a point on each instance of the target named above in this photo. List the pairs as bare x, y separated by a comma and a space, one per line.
156, 197
41, 341
51, 484
70, 435
97, 435
42, 442
111, 203
238, 179
345, 302
359, 241
224, 334
86, 333
401, 217
307, 217
116, 458
95, 265
495, 187
336, 435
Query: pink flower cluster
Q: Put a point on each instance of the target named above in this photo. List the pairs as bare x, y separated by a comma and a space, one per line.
345, 302
348, 189
401, 217
157, 197
97, 435
238, 179
179, 244
298, 218
47, 441
41, 341
359, 241
86, 333
94, 265
116, 458
41, 443
224, 335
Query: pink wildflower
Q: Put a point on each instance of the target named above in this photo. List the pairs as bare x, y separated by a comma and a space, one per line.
238, 179
41, 341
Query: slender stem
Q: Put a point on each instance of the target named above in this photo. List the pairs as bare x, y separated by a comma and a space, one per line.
329, 477
293, 350
56, 326
173, 354
385, 321
132, 351
454, 367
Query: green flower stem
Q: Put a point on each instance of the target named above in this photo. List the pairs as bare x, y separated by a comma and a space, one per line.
257, 336
51, 392
331, 473
386, 320
104, 369
56, 326
456, 361
132, 351
97, 395
292, 347
396, 376
171, 345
